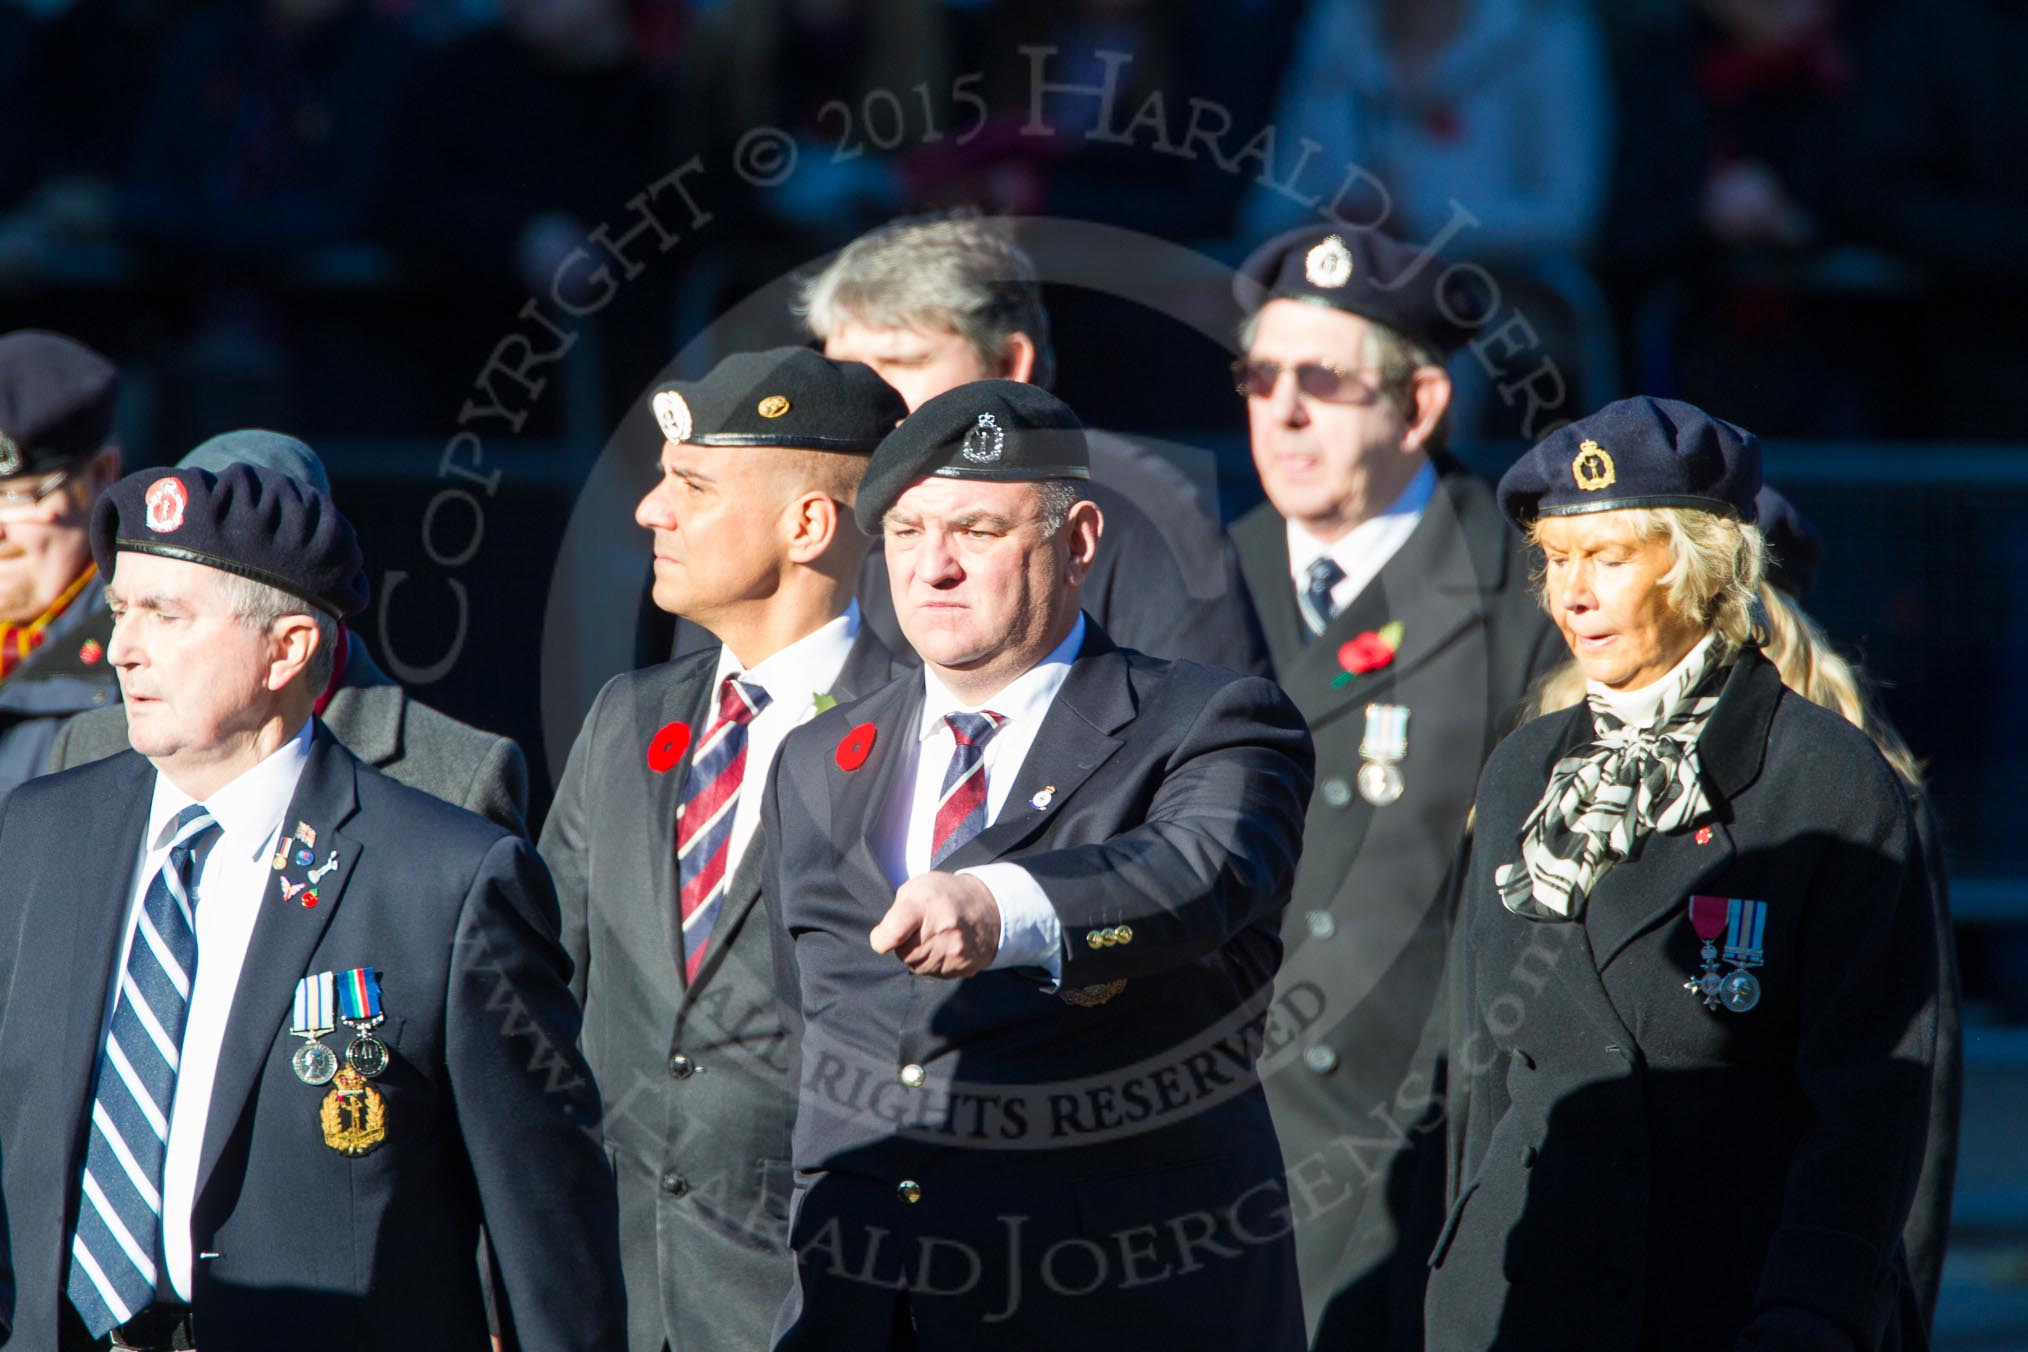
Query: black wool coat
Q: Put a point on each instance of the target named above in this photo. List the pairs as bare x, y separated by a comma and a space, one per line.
1630, 1169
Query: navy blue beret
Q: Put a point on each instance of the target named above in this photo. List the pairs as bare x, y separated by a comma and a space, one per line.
1364, 272
257, 446
786, 396
988, 429
56, 402
1794, 548
245, 519
1638, 452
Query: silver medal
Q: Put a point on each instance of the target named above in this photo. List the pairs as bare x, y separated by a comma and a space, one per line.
367, 1054
1740, 991
314, 1063
1380, 782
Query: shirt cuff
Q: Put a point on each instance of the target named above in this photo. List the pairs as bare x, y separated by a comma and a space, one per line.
1031, 935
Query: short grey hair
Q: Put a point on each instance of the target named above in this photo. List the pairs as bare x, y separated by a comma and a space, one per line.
961, 272
1394, 358
257, 606
1058, 496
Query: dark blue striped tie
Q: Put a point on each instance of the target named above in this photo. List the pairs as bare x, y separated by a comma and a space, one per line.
1322, 575
118, 1243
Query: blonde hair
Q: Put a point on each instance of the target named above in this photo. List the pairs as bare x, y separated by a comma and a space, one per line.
1807, 663
1717, 566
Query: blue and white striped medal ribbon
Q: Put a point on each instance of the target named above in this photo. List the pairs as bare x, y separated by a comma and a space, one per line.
314, 1063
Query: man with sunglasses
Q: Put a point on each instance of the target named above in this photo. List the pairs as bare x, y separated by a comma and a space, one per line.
1400, 620
56, 457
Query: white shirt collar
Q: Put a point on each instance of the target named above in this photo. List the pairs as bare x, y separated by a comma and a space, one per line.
1393, 524
1027, 696
249, 809
797, 674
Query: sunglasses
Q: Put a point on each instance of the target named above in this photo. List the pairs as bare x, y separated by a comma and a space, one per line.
1256, 379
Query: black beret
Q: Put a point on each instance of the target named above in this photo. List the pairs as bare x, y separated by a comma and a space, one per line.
56, 402
1793, 546
1638, 452
786, 396
245, 519
988, 429
1414, 292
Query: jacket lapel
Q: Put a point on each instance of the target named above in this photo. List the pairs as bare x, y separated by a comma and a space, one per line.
285, 937
857, 796
1075, 739
1261, 539
96, 928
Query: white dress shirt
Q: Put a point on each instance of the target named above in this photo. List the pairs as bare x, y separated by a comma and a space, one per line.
793, 678
230, 883
1030, 932
1365, 549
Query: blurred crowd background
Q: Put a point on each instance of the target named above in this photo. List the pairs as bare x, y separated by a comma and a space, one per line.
1809, 216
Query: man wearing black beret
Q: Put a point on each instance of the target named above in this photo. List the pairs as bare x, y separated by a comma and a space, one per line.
652, 837
1400, 620
278, 1032
375, 718
1017, 897
56, 456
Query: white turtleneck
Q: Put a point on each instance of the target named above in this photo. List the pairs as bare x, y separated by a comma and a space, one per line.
1638, 708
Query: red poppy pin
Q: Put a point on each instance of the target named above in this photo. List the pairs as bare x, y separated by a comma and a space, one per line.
1369, 651
667, 746
858, 744
1703, 835
92, 651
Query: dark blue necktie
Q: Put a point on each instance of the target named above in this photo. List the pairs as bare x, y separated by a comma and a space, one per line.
1323, 575
116, 1250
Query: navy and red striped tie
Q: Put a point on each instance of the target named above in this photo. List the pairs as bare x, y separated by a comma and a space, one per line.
704, 817
961, 811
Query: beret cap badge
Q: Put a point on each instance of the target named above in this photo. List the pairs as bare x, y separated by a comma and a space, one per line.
1328, 264
10, 455
165, 501
1592, 467
673, 415
774, 406
984, 443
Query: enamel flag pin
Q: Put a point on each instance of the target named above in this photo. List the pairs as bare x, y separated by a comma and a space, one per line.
1042, 797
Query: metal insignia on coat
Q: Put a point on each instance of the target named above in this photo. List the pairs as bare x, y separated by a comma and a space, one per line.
984, 443
354, 1115
1328, 264
774, 406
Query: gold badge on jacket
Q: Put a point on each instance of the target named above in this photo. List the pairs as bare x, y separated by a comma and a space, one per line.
354, 1115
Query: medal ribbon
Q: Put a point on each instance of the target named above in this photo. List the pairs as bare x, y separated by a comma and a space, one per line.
1708, 916
359, 993
1746, 924
313, 1006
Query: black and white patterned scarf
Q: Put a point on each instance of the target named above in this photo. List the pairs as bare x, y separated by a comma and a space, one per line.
1602, 800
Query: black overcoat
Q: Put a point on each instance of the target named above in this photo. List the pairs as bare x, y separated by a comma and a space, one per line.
1631, 1169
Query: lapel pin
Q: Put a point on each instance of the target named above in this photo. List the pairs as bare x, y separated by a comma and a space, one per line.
290, 890
1042, 797
304, 858
310, 897
858, 744
307, 834
328, 866
281, 859
667, 746
1703, 835
92, 653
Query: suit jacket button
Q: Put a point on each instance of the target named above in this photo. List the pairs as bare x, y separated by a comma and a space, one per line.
1528, 1157
912, 1075
908, 1190
1322, 926
681, 1066
1125, 934
675, 1184
1337, 793
1097, 938
1320, 1059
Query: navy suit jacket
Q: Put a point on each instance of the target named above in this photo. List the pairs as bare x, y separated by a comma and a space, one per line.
1160, 809
490, 1113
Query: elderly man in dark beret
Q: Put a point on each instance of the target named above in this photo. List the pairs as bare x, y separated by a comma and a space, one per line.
1019, 897
278, 1032
653, 839
56, 456
365, 709
1400, 619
